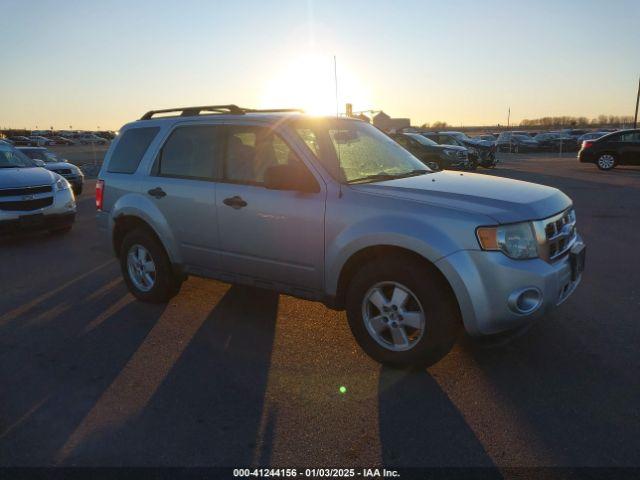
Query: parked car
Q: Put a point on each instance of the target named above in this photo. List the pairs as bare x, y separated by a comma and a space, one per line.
333, 210
450, 140
20, 140
6, 141
56, 164
607, 152
436, 157
517, 143
484, 152
91, 139
41, 141
60, 140
32, 197
556, 141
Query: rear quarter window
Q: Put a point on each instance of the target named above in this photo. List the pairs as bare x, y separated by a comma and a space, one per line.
130, 149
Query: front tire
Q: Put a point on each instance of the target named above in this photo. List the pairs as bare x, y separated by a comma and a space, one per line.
146, 268
402, 313
606, 161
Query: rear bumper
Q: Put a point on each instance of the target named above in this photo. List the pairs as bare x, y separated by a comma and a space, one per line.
586, 156
485, 284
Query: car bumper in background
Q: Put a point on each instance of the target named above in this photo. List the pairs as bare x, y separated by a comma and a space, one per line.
490, 285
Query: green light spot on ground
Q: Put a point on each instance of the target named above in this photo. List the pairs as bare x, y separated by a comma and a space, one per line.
343, 389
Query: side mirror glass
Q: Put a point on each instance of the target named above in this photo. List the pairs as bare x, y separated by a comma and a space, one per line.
39, 163
290, 177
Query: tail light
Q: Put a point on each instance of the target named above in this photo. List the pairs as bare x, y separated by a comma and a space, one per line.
99, 194
587, 144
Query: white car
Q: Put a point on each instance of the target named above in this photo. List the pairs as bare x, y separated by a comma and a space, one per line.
91, 139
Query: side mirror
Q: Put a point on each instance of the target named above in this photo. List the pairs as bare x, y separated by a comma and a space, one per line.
290, 177
39, 163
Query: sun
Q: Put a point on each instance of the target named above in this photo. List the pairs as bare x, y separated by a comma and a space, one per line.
308, 82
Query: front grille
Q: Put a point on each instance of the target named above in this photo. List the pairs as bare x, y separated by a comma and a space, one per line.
26, 205
558, 234
462, 154
16, 192
63, 171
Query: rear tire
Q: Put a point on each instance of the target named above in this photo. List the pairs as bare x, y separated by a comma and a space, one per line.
421, 344
606, 161
149, 275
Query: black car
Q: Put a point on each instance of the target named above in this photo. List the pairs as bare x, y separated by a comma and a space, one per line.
555, 141
21, 141
618, 148
480, 151
516, 142
436, 157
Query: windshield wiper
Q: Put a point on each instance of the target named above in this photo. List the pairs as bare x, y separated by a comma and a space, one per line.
389, 176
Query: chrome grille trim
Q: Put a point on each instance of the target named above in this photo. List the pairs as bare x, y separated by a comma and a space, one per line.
556, 235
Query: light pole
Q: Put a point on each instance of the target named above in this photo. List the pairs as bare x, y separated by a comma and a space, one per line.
635, 118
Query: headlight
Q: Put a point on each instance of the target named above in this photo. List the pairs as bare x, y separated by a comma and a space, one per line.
516, 241
450, 153
62, 184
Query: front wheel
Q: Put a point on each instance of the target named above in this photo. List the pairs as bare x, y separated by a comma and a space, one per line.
606, 161
401, 313
146, 268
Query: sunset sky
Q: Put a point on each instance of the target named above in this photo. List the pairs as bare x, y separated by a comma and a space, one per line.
102, 63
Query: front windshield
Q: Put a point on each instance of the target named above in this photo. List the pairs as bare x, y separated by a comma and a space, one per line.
10, 158
355, 151
422, 140
525, 138
34, 153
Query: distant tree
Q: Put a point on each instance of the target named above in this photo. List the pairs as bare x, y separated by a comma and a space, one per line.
439, 125
425, 126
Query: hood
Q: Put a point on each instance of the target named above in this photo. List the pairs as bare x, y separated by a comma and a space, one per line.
25, 177
479, 143
503, 199
59, 165
448, 147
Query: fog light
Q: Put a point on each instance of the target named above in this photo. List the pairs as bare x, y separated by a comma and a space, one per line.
525, 301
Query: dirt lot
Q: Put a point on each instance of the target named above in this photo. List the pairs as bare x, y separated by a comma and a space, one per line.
238, 377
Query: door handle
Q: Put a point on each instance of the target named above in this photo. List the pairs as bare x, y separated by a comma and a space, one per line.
235, 202
157, 192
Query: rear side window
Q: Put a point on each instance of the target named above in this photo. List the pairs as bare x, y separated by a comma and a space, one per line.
191, 152
130, 149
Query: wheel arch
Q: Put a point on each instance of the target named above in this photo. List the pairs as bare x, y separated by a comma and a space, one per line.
371, 253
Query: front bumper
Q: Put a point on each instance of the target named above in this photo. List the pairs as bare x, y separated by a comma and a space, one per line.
59, 214
484, 282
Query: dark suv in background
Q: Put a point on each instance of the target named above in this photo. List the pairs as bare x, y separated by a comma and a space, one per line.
618, 148
436, 157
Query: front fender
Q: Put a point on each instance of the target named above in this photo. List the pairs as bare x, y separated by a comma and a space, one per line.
422, 238
142, 207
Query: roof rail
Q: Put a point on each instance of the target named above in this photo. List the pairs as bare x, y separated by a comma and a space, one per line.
192, 111
215, 109
272, 110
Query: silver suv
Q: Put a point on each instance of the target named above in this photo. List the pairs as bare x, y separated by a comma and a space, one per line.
333, 210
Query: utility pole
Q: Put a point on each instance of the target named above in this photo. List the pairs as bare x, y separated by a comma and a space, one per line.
635, 119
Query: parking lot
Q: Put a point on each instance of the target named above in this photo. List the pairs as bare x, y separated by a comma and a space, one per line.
237, 377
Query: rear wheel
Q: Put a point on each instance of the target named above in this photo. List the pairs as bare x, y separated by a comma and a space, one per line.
146, 268
606, 161
401, 313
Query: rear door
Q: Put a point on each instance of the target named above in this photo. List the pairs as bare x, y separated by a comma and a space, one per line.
270, 236
182, 185
629, 148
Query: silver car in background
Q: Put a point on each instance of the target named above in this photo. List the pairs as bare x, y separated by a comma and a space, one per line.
31, 197
332, 210
62, 167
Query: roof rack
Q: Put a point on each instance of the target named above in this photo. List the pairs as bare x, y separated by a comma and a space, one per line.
215, 109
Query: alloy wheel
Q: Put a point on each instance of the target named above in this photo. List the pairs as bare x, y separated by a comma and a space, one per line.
393, 316
141, 268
